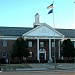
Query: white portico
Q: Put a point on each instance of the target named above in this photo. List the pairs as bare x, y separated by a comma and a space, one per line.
43, 31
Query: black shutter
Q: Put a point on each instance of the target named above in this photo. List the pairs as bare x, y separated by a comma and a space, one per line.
32, 43
1, 42
32, 54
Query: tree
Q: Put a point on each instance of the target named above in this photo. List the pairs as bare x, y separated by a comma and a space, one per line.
20, 48
68, 49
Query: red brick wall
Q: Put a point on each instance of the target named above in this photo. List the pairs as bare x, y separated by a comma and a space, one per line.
33, 48
6, 48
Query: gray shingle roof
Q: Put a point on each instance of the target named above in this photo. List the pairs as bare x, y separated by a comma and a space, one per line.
18, 31
13, 31
67, 32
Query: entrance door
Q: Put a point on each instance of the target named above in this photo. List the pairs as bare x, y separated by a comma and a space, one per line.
42, 56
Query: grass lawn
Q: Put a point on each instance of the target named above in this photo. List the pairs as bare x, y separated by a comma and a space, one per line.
15, 66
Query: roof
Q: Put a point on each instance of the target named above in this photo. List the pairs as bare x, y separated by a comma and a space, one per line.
13, 31
19, 31
70, 33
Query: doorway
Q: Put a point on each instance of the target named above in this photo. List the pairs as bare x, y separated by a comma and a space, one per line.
42, 56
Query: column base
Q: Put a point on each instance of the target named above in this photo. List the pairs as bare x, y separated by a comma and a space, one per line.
38, 61
50, 61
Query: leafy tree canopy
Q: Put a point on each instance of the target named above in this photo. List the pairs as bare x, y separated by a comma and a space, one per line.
20, 48
68, 48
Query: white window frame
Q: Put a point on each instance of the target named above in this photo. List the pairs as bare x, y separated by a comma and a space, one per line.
52, 44
30, 54
4, 43
41, 44
4, 52
29, 44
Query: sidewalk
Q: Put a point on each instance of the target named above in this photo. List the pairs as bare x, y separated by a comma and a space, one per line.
61, 66
44, 67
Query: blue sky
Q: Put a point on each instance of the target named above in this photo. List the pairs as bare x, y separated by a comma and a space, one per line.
20, 13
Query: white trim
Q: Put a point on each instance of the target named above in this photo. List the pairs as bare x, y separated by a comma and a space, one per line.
9, 37
3, 54
30, 54
41, 44
44, 37
28, 37
44, 51
5, 43
72, 39
43, 24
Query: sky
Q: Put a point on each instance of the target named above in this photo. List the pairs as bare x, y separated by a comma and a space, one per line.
21, 13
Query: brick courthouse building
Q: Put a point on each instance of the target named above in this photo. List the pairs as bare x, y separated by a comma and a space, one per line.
40, 40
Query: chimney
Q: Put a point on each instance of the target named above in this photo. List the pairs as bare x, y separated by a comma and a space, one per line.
36, 23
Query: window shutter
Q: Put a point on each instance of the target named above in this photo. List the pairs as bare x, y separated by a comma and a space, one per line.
1, 43
45, 44
32, 54
32, 44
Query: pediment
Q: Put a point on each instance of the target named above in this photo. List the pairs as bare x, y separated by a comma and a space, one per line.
42, 50
43, 30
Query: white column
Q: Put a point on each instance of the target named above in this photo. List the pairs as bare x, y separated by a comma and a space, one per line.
37, 49
59, 48
50, 59
45, 55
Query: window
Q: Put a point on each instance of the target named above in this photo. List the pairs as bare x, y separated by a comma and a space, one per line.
52, 44
29, 44
31, 54
41, 44
4, 54
4, 43
74, 44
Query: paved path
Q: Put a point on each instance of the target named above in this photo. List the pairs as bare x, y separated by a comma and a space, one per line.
56, 72
51, 66
46, 67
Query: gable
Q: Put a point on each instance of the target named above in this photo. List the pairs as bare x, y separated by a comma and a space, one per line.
43, 30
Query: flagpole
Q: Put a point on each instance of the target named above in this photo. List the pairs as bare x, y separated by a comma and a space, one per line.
54, 39
52, 11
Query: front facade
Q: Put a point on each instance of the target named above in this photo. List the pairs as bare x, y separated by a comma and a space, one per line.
42, 40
